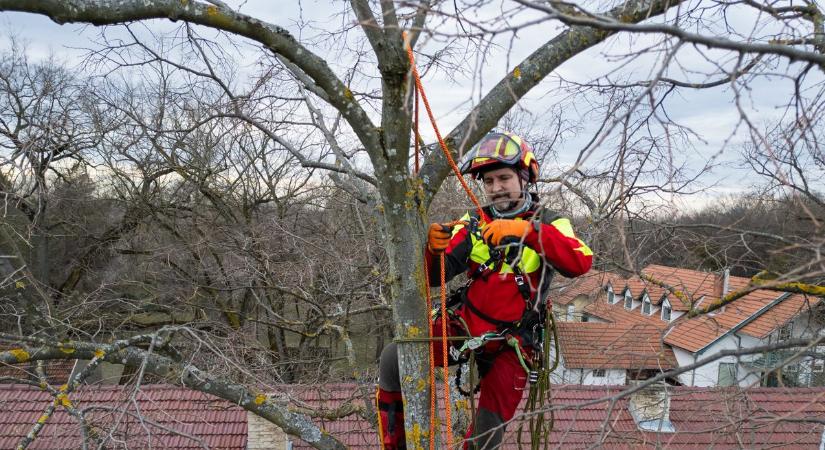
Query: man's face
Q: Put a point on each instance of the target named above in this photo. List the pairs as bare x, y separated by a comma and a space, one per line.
503, 188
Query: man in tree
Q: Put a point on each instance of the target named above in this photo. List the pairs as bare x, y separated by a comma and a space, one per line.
509, 261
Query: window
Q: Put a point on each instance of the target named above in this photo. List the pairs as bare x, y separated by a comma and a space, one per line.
646, 306
611, 297
784, 332
628, 300
570, 310
727, 374
666, 313
818, 366
599, 373
585, 318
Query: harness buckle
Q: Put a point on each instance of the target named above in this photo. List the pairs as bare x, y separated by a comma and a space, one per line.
519, 280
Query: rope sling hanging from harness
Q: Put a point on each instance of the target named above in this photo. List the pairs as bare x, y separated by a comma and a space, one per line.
539, 382
444, 345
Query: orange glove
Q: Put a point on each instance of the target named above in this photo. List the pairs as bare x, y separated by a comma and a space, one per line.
499, 229
438, 238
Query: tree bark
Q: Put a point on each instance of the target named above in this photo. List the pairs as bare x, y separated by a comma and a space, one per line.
404, 198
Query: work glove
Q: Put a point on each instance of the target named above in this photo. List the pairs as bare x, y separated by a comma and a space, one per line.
499, 230
438, 238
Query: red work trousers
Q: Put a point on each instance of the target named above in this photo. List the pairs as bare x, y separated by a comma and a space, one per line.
502, 385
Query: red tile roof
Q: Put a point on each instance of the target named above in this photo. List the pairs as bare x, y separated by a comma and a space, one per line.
693, 284
703, 418
614, 346
616, 313
756, 314
205, 419
590, 284
57, 371
584, 416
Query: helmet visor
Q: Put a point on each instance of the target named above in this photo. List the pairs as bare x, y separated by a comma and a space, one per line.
496, 148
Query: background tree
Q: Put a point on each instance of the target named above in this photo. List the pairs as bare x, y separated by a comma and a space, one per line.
206, 162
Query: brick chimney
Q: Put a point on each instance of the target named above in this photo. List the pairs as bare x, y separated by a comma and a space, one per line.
650, 408
264, 435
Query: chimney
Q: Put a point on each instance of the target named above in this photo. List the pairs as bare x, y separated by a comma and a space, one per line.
262, 434
725, 282
650, 408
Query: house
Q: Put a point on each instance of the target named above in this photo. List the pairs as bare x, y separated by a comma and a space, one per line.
611, 353
583, 416
662, 295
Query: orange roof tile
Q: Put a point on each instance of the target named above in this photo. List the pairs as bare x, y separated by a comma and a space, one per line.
57, 370
614, 346
695, 334
616, 313
773, 308
590, 284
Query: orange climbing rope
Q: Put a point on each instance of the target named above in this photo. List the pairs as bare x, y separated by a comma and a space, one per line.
419, 92
450, 160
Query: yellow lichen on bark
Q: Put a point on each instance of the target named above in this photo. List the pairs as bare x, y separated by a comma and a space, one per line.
260, 399
64, 400
416, 434
20, 354
66, 350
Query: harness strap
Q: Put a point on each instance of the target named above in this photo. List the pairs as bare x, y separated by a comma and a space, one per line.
499, 323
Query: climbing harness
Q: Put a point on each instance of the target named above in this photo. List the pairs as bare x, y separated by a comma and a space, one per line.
529, 330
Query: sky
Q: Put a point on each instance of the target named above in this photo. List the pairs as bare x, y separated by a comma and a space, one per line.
711, 114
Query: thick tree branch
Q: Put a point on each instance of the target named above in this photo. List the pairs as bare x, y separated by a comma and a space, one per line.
617, 23
178, 373
273, 37
525, 76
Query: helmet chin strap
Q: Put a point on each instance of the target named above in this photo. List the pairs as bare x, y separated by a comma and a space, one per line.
510, 212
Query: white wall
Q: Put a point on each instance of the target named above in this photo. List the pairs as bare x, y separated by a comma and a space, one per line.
563, 375
612, 377
708, 375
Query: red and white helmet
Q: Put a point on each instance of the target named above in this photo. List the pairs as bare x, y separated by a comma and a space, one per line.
502, 148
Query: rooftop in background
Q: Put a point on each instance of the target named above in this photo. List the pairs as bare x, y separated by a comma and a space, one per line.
198, 420
614, 346
756, 314
57, 370
584, 415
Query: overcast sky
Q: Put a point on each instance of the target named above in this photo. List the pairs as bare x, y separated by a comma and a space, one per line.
710, 113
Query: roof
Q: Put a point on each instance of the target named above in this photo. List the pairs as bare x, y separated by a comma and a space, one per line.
694, 284
590, 345
172, 417
57, 371
616, 313
702, 418
722, 418
590, 284
584, 416
756, 314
